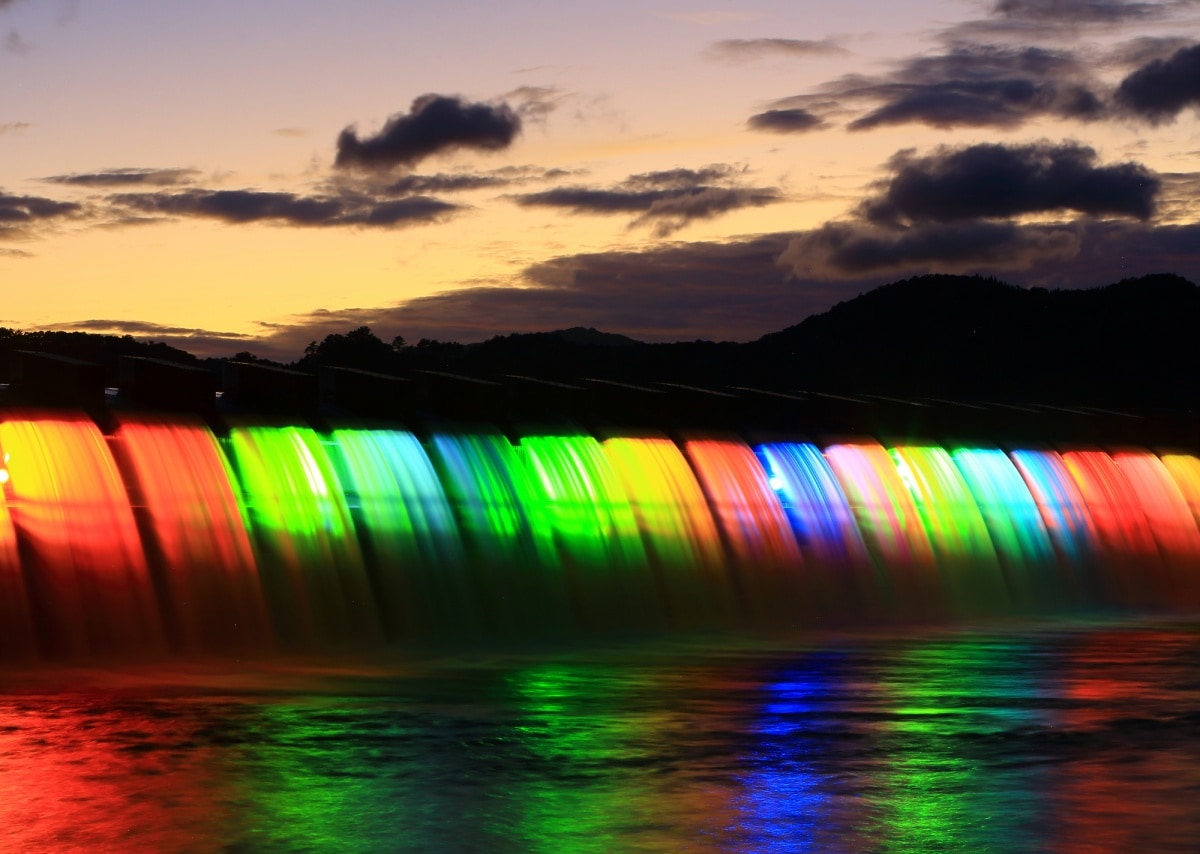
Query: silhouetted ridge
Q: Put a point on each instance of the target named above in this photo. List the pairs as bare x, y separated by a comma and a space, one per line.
1126, 345
591, 337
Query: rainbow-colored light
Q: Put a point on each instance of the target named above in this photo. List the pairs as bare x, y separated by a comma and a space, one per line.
162, 536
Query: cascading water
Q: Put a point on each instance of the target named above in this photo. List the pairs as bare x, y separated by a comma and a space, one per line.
163, 537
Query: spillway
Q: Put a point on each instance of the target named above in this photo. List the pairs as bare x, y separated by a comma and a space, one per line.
161, 537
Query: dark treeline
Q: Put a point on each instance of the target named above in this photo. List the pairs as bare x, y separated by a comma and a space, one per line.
1130, 345
105, 350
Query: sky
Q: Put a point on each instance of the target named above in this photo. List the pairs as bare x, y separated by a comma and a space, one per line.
232, 176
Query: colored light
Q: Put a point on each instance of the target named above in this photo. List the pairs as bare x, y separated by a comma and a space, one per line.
68, 503
311, 561
163, 535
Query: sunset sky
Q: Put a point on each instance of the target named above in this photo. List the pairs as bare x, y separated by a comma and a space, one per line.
233, 176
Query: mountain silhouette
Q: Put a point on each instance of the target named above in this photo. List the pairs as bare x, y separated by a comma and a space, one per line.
1129, 346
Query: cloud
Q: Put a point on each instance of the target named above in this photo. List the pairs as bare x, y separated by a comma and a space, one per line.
1163, 88
13, 127
1179, 200
198, 342
1073, 11
851, 250
20, 215
1134, 53
742, 289
969, 85
794, 120
976, 86
6, 252
536, 103
14, 43
668, 200
1061, 19
292, 132
455, 182
127, 177
434, 124
1003, 181
735, 290
245, 206
139, 327
746, 50
678, 292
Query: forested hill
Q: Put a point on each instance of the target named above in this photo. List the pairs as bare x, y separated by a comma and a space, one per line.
1131, 346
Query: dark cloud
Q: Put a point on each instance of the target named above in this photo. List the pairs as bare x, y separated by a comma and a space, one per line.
852, 250
969, 85
127, 178
20, 215
667, 200
434, 123
139, 327
742, 289
745, 50
1060, 19
456, 182
683, 179
243, 206
1075, 11
682, 292
13, 127
199, 342
793, 120
1163, 88
1137, 52
977, 85
1003, 181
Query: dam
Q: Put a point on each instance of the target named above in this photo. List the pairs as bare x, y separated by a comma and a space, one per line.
140, 532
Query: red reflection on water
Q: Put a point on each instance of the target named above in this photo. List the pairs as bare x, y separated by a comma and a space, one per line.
95, 773
1123, 791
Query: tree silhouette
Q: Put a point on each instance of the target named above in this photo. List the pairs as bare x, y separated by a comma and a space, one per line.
358, 348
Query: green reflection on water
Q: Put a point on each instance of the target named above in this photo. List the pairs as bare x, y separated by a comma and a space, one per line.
575, 805
951, 703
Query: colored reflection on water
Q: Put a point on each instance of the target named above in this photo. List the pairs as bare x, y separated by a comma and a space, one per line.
953, 703
1131, 756
1036, 738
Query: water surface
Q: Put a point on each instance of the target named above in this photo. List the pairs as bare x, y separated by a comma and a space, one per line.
1016, 737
